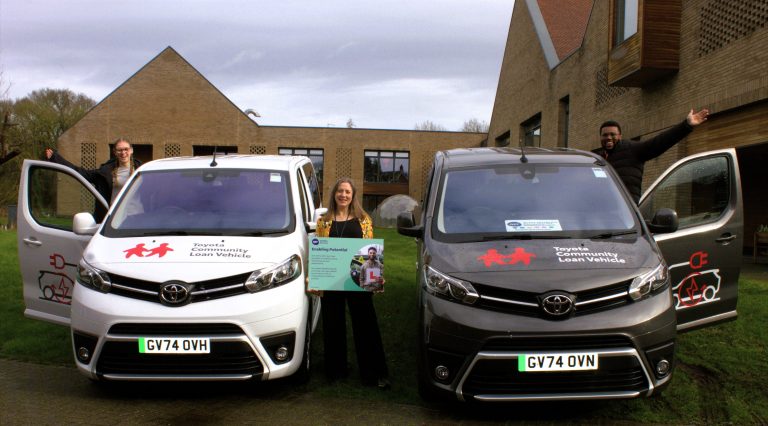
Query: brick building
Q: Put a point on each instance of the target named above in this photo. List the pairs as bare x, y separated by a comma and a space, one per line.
570, 65
168, 109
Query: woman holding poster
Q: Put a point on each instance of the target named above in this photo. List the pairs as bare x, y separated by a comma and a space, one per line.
347, 219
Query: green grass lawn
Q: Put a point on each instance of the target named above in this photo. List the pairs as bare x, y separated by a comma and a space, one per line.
721, 373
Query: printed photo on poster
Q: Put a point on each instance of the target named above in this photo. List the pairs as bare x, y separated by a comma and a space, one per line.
346, 264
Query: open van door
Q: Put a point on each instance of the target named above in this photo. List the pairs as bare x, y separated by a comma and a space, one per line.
49, 251
704, 255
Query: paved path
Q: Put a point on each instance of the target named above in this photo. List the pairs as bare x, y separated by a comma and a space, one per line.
52, 395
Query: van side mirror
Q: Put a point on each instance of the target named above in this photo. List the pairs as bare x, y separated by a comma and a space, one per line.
84, 224
318, 213
405, 226
312, 226
664, 221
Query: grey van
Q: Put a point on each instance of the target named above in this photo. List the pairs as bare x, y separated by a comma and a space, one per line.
539, 279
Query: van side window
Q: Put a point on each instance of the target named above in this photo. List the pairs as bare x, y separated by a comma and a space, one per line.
698, 191
314, 186
303, 195
55, 197
421, 209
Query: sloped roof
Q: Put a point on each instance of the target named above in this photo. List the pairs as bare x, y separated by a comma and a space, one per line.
560, 25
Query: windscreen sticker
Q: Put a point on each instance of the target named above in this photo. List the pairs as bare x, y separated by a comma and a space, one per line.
218, 250
493, 256
537, 225
599, 173
275, 177
700, 286
586, 255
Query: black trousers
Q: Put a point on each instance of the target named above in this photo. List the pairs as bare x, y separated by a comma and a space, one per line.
365, 329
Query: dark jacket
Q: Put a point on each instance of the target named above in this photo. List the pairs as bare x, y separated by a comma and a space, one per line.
100, 178
628, 157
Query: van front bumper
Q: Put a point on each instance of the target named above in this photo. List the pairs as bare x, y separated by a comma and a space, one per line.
244, 331
474, 353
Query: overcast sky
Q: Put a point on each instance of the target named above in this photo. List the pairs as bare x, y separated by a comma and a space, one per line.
386, 64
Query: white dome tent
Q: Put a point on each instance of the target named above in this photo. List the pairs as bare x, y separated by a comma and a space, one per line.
385, 215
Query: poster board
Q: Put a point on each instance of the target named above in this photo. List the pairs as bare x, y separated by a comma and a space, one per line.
346, 264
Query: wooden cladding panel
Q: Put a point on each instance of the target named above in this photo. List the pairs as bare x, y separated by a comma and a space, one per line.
653, 51
624, 60
661, 34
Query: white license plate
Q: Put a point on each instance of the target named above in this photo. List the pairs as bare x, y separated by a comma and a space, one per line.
557, 362
174, 345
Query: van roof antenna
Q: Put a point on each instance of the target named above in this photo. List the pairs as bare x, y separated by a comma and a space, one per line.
523, 159
213, 162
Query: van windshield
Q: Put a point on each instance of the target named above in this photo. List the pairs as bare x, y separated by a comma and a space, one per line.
531, 201
204, 202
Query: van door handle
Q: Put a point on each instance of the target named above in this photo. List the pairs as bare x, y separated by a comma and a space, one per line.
725, 239
32, 242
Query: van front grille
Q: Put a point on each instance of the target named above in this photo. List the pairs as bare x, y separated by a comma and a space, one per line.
527, 303
200, 291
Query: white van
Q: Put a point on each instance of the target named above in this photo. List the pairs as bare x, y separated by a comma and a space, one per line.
196, 273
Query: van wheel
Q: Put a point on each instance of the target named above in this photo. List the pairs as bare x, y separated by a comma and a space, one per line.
301, 376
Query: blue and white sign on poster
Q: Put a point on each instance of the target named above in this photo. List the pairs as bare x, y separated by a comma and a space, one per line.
346, 264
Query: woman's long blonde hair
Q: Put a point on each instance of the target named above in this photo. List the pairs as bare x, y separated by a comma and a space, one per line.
355, 209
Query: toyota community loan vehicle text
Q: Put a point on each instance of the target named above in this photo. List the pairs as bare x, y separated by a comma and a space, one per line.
539, 279
197, 272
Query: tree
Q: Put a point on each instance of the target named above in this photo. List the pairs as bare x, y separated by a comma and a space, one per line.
46, 114
351, 124
35, 123
429, 126
475, 125
7, 150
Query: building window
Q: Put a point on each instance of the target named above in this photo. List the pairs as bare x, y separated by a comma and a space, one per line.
386, 167
503, 139
531, 131
565, 116
315, 155
626, 20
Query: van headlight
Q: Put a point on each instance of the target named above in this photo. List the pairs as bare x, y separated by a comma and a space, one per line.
453, 288
648, 283
93, 278
274, 276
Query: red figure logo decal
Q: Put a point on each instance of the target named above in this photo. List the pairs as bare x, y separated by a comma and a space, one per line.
140, 251
160, 250
493, 256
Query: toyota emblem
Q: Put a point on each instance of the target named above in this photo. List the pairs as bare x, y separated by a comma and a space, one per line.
174, 293
557, 304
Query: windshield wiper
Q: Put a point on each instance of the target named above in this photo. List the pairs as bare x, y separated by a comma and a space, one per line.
176, 233
607, 235
523, 237
258, 233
